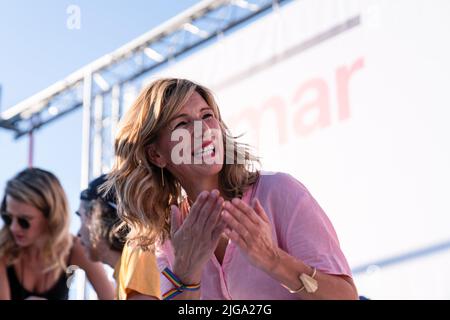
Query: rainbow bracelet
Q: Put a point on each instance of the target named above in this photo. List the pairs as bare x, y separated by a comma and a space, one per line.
179, 286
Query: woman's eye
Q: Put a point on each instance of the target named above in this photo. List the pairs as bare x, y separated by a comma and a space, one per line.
179, 124
208, 115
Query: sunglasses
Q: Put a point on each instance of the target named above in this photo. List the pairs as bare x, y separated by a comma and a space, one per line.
23, 223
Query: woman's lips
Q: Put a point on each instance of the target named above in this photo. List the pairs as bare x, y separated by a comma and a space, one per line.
205, 145
19, 237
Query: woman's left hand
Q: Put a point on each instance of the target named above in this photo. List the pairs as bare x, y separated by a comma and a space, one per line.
249, 227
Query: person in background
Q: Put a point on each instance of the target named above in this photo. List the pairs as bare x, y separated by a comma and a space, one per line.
103, 235
36, 247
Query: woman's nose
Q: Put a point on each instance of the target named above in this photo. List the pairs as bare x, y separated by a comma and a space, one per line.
205, 127
199, 128
15, 225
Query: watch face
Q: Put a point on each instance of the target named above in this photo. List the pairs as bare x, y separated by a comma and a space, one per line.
310, 284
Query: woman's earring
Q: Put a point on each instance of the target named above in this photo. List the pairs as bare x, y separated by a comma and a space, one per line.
162, 176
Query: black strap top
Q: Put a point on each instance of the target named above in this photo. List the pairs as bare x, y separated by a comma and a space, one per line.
59, 291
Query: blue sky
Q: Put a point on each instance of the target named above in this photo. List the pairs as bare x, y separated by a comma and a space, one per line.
37, 49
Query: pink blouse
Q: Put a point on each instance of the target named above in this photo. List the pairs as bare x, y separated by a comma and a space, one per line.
299, 226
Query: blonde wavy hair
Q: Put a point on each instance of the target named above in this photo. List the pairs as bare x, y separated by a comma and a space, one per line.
42, 190
143, 201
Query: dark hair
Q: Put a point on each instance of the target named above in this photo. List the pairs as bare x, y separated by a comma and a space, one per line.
102, 209
94, 192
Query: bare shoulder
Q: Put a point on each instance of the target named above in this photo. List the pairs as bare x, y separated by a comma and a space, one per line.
3, 264
4, 283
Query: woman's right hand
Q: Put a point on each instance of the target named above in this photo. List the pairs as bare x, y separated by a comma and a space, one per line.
195, 239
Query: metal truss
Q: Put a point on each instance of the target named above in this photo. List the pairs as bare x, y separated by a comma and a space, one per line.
98, 87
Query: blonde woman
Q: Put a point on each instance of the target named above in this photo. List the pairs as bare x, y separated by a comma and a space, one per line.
35, 244
239, 233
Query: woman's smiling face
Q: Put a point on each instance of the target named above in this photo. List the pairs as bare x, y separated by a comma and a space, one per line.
192, 143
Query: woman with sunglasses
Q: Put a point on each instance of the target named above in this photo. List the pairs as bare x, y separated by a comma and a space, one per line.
36, 247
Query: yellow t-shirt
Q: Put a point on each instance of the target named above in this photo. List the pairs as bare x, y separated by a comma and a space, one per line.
136, 271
